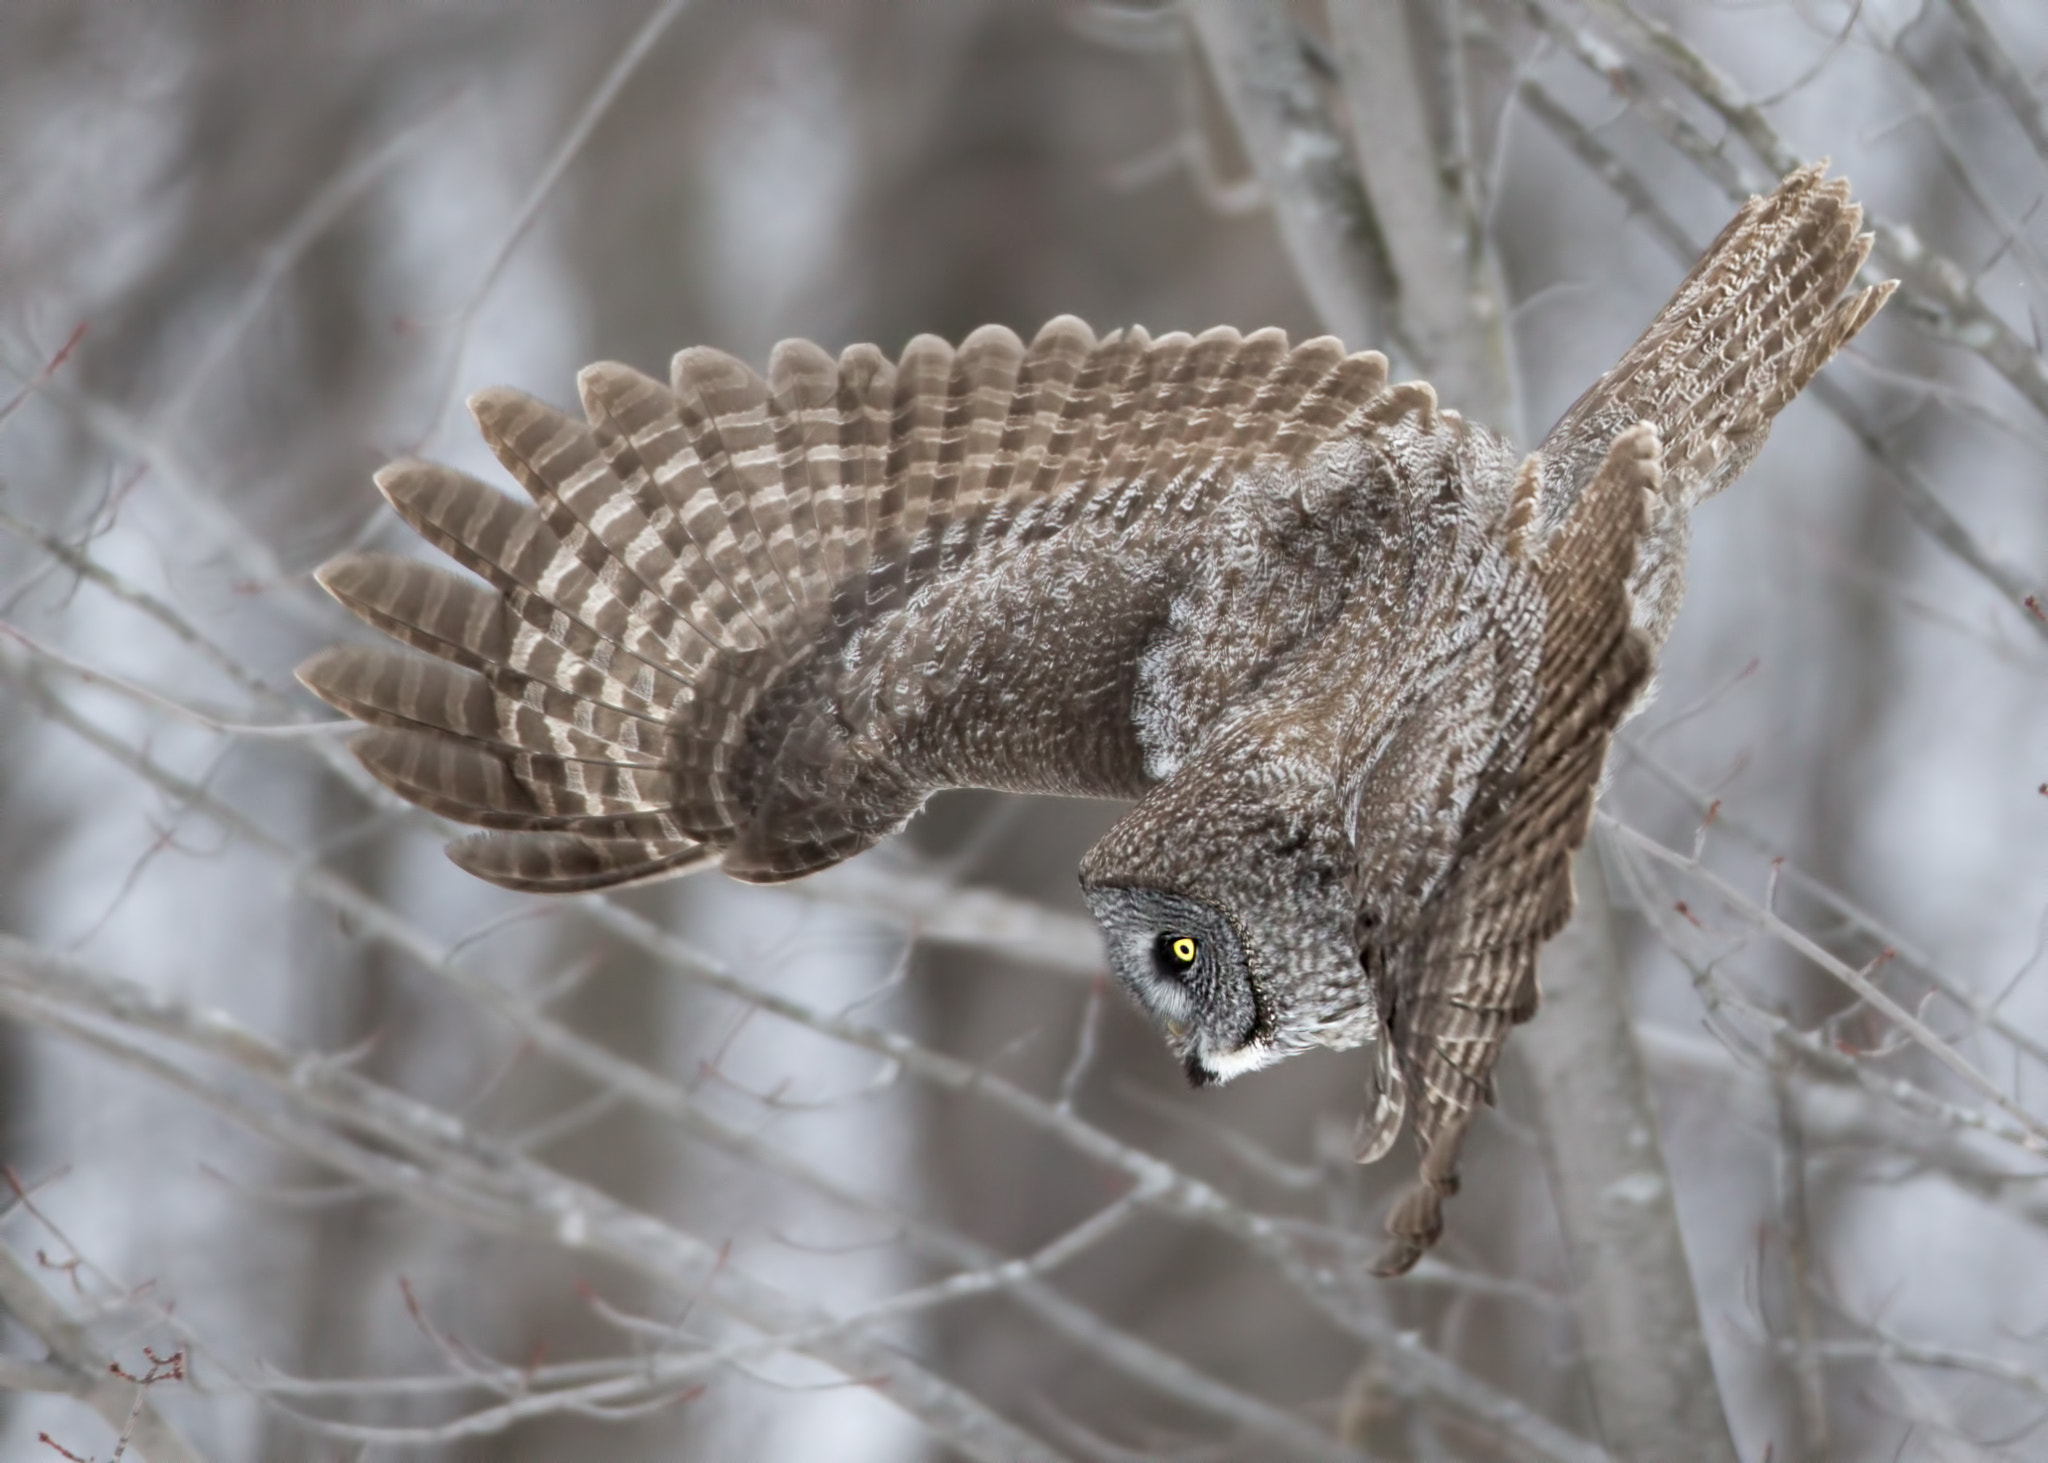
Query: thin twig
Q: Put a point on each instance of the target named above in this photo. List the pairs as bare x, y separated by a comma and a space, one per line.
593, 111
1793, 1215
1731, 821
1166, 1188
88, 1373
1997, 67
2032, 1131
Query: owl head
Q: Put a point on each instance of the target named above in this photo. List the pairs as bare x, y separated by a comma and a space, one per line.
1226, 909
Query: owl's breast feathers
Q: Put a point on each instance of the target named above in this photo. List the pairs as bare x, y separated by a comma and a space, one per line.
757, 621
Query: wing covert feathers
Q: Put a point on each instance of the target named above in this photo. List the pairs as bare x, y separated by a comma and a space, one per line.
597, 697
1472, 975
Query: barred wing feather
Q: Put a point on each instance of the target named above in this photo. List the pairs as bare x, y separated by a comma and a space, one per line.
696, 643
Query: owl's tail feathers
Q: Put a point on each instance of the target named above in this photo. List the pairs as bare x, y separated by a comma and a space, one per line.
1761, 312
1473, 974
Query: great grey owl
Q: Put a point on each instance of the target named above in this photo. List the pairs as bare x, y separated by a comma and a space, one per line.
1353, 663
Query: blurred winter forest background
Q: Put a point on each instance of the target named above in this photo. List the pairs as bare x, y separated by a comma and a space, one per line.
323, 1150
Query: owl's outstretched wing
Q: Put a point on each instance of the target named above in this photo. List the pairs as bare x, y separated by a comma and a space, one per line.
1470, 975
1760, 313
734, 621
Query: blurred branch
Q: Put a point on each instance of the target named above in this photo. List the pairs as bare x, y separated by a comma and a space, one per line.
592, 112
217, 520
642, 1381
1884, 1347
1319, 206
285, 253
1843, 1099
604, 1067
892, 886
1646, 1354
1204, 147
1714, 812
1167, 1188
1917, 495
80, 1369
1606, 165
1798, 1232
1445, 296
1997, 68
1835, 1111
1164, 1186
86, 567
1955, 163
212, 718
396, 1145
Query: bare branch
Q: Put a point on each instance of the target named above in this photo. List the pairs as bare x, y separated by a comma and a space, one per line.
326, 1113
1318, 203
622, 70
641, 1382
1989, 56
894, 887
2030, 1132
1792, 1212
123, 589
1165, 1187
658, 1095
1883, 1347
1835, 1110
1986, 1014
1445, 290
78, 1367
1646, 1354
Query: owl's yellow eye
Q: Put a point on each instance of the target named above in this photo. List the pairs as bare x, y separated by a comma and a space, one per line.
1182, 949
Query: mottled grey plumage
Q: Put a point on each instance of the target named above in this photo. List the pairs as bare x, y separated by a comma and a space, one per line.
1355, 665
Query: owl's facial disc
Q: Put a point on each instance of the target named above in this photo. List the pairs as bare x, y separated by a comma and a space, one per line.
1184, 963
